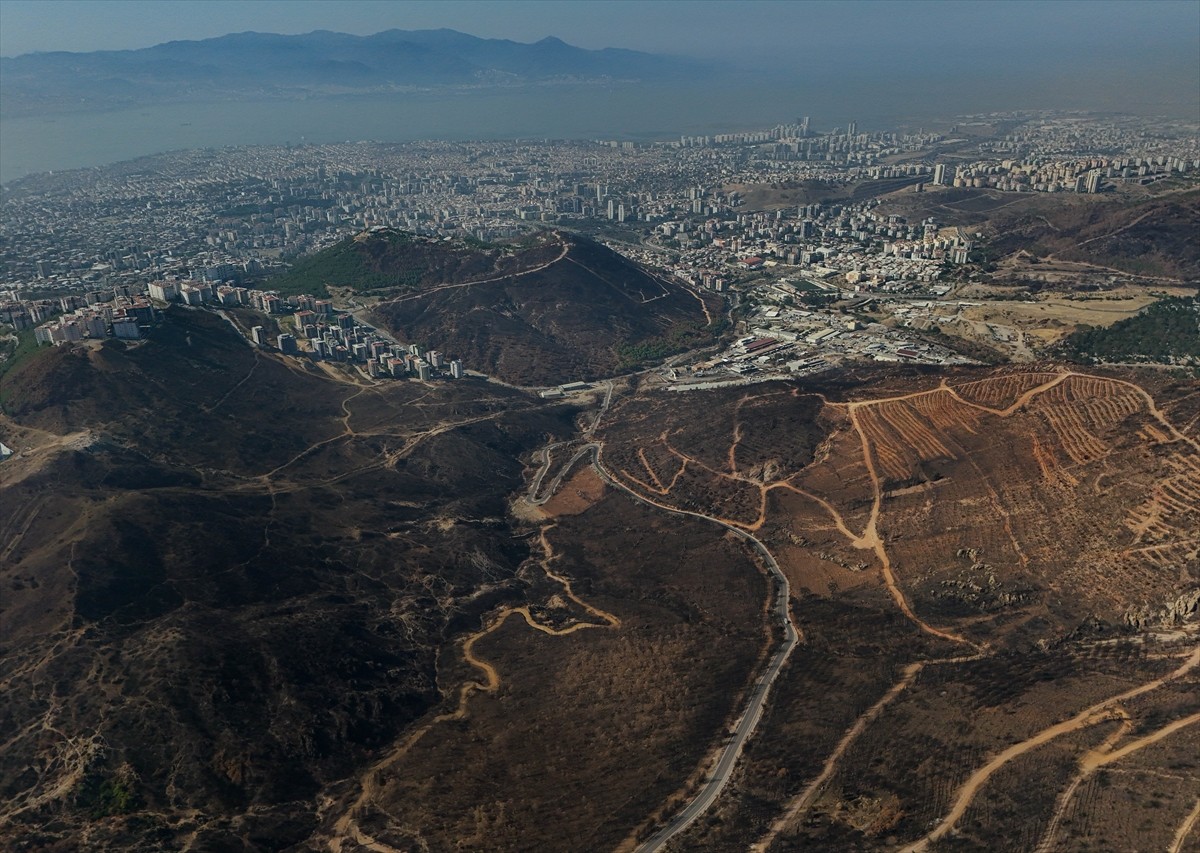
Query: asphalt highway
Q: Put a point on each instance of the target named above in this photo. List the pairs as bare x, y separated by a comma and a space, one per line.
748, 722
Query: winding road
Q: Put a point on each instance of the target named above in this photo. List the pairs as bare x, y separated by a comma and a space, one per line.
564, 248
545, 452
750, 718
748, 722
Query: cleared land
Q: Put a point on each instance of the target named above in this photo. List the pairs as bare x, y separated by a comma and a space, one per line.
1013, 522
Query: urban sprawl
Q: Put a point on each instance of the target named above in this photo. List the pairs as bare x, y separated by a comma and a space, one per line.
98, 252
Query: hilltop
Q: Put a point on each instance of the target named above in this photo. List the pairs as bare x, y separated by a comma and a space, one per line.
387, 262
552, 308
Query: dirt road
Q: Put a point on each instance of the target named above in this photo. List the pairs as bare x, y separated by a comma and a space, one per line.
1087, 717
347, 824
564, 247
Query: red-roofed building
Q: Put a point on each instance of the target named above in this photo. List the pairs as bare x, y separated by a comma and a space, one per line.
759, 344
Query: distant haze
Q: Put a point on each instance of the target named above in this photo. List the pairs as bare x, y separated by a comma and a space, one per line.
857, 35
1106, 51
749, 64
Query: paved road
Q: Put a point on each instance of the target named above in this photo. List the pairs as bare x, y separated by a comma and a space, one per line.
558, 478
608, 392
748, 722
536, 486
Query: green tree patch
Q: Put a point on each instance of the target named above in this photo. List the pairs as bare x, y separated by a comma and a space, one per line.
1167, 331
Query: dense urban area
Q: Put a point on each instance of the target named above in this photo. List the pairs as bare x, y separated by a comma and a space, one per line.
89, 253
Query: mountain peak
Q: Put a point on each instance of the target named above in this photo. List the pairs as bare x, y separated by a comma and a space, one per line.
252, 64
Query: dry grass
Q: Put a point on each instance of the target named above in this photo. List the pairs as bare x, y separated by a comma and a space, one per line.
576, 495
589, 733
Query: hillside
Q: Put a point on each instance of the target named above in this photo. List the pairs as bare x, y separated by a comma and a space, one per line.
237, 575
555, 308
248, 65
249, 604
238, 592
980, 565
1153, 238
1168, 331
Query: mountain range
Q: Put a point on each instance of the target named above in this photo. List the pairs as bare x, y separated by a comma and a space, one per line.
250, 64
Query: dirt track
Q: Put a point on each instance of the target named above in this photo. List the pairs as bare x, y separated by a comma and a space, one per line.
564, 248
1085, 718
806, 797
346, 825
658, 489
1185, 829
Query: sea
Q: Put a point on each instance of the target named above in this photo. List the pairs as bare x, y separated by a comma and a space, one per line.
31, 144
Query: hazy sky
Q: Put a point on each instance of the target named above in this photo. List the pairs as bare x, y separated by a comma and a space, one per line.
781, 31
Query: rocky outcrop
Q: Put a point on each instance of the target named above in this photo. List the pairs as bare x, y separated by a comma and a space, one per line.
1183, 608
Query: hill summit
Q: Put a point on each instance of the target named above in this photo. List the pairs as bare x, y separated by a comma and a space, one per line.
551, 308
